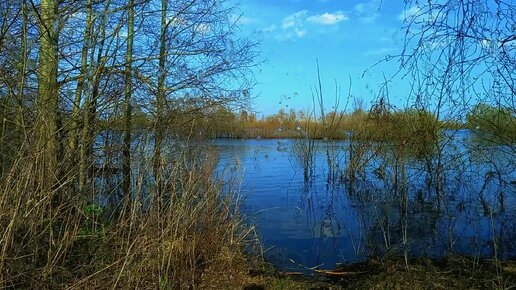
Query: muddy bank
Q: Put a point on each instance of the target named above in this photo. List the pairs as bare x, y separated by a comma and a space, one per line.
454, 272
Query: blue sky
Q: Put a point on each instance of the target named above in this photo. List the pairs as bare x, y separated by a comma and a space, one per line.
346, 37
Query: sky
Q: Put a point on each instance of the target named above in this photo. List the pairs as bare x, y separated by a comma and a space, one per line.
346, 37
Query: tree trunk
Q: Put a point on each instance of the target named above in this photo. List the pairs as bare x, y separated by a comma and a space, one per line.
160, 102
76, 110
48, 92
3, 106
126, 166
83, 162
21, 80
90, 112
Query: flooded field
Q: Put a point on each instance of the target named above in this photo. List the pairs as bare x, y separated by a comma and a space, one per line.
331, 218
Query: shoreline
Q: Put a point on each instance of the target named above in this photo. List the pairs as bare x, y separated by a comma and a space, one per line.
451, 272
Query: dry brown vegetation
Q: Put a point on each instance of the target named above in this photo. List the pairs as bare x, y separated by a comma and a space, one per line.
332, 126
59, 239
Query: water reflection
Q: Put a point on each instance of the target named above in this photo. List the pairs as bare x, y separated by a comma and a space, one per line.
332, 219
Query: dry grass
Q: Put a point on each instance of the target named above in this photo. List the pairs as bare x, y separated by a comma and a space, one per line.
64, 240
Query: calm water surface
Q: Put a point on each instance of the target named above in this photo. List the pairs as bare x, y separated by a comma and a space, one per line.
322, 223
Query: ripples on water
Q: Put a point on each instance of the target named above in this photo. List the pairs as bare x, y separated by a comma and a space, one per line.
321, 223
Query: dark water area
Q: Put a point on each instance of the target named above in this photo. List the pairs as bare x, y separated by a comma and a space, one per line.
327, 221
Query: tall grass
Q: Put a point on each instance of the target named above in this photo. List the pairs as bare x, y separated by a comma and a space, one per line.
63, 239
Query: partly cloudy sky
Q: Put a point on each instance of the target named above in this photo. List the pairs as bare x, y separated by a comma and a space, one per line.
345, 36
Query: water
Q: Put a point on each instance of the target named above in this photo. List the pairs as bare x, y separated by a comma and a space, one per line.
323, 223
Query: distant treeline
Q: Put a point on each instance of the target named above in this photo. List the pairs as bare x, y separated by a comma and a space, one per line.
379, 122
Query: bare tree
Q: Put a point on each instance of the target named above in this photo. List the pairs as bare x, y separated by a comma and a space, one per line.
459, 53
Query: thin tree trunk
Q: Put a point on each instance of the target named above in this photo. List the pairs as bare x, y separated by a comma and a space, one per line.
3, 106
126, 166
73, 140
89, 117
21, 80
160, 102
4, 102
83, 162
48, 92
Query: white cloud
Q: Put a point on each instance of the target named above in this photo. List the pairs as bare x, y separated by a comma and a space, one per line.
368, 12
292, 26
409, 13
328, 18
300, 33
299, 24
295, 19
291, 34
367, 7
269, 28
